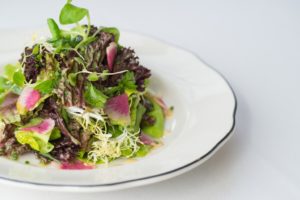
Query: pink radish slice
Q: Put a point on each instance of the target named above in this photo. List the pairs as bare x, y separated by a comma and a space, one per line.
117, 109
111, 52
43, 127
28, 100
78, 165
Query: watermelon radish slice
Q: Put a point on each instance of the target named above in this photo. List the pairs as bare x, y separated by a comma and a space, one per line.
78, 165
117, 109
41, 128
28, 100
111, 52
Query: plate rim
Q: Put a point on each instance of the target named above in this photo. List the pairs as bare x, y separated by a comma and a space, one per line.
163, 175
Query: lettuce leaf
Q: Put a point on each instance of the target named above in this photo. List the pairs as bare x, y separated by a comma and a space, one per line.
37, 134
14, 74
94, 97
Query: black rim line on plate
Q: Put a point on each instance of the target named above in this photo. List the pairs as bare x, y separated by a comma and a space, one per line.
164, 173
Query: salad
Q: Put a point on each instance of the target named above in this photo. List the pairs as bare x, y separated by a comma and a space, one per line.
78, 98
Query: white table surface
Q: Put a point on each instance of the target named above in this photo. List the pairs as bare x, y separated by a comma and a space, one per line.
256, 45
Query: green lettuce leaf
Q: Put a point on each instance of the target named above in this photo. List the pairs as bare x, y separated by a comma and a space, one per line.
13, 73
55, 134
94, 97
45, 87
37, 141
12, 79
19, 78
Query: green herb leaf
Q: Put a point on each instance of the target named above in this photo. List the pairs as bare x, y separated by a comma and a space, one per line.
79, 61
76, 40
12, 79
36, 49
4, 84
54, 29
55, 134
93, 77
71, 14
72, 78
94, 97
113, 31
9, 71
86, 42
127, 83
19, 78
45, 87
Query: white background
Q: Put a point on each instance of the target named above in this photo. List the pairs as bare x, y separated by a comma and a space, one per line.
256, 45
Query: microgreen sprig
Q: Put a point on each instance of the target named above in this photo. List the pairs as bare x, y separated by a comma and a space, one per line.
93, 76
76, 37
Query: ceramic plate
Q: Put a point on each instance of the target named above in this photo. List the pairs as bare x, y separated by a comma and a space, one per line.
203, 120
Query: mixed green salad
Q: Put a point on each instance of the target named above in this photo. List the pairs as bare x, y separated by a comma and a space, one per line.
78, 97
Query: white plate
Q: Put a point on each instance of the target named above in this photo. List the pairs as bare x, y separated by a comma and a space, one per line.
203, 120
